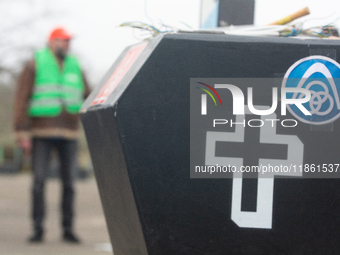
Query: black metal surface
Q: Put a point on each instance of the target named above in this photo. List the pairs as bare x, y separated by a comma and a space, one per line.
236, 12
151, 118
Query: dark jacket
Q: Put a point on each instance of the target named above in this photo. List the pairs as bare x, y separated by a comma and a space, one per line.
63, 126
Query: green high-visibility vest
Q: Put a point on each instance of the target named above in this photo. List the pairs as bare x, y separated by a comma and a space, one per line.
56, 88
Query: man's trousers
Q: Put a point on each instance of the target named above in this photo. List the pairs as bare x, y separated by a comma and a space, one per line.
41, 159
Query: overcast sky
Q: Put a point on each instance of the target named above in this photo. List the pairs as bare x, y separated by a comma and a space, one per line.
98, 39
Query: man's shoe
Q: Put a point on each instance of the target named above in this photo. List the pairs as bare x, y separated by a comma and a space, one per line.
36, 237
70, 237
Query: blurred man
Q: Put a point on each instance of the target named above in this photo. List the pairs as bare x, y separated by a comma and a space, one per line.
50, 92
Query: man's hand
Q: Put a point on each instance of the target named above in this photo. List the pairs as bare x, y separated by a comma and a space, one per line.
26, 145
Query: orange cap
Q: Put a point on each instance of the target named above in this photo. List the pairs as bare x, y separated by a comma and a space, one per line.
59, 33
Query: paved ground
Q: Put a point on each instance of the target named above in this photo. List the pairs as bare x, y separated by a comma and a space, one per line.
15, 226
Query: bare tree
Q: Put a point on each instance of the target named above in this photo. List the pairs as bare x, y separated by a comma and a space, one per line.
20, 33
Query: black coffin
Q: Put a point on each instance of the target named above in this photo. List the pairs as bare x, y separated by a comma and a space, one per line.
137, 124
